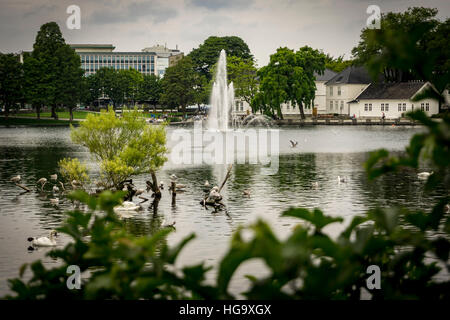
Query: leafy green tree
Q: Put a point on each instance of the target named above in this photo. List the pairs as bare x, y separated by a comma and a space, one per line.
150, 89
11, 76
337, 64
92, 90
110, 85
243, 74
122, 146
206, 55
411, 45
289, 76
179, 85
33, 87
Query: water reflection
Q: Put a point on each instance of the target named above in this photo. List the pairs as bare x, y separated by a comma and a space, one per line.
322, 155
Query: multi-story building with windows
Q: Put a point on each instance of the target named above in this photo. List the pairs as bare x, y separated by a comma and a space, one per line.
166, 57
96, 56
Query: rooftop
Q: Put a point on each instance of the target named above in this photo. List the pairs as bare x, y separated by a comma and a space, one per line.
327, 75
399, 90
351, 75
92, 46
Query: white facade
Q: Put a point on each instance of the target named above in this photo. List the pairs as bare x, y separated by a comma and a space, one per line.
338, 96
320, 101
392, 108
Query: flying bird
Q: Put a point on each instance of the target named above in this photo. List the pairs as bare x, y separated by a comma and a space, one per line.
293, 143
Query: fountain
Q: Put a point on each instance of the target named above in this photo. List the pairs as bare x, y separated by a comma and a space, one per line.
222, 97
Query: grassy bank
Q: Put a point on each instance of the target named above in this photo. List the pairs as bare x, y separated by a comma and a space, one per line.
62, 115
34, 122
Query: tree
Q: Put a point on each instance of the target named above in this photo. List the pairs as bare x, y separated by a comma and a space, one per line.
243, 74
11, 75
206, 55
411, 45
150, 89
179, 85
289, 77
33, 87
70, 83
337, 64
122, 146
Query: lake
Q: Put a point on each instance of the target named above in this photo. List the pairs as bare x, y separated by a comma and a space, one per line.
323, 154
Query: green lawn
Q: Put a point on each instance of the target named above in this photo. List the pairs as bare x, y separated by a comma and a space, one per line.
33, 122
62, 115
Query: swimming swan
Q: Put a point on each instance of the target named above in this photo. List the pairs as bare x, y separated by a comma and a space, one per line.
44, 241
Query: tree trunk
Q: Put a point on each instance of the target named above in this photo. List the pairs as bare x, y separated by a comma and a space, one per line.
38, 111
71, 113
302, 113
155, 187
6, 110
54, 115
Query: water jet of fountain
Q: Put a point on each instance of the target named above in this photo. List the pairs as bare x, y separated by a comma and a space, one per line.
222, 97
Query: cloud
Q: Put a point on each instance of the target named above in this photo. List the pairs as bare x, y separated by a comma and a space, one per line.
131, 12
221, 4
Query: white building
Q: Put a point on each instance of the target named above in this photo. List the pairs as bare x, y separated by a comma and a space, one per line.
163, 53
392, 99
345, 87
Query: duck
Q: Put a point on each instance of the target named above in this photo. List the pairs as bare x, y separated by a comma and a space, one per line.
293, 143
315, 184
342, 179
55, 189
424, 175
54, 201
16, 179
173, 177
54, 177
44, 241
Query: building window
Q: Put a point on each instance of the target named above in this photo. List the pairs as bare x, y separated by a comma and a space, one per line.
427, 106
386, 107
422, 106
342, 105
399, 107
339, 91
331, 105
404, 107
366, 107
370, 107
331, 91
382, 107
287, 105
336, 105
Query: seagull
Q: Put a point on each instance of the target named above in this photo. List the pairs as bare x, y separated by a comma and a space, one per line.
44, 241
55, 189
54, 177
342, 179
424, 175
293, 143
246, 193
16, 179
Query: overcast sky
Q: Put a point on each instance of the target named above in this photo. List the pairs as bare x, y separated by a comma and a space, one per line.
331, 25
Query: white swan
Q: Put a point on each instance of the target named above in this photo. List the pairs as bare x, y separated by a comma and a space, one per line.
164, 224
424, 175
126, 207
44, 241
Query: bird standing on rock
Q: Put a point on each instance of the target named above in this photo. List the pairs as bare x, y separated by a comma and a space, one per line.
16, 179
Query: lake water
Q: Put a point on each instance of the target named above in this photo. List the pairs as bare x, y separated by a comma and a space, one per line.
323, 153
